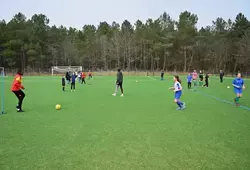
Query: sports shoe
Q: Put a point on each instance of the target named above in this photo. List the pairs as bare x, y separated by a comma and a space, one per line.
20, 110
114, 94
178, 108
235, 102
122, 95
183, 106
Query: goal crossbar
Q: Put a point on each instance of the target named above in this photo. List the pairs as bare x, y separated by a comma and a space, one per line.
64, 69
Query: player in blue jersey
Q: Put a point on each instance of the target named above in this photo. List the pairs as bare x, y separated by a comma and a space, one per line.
238, 84
178, 92
189, 80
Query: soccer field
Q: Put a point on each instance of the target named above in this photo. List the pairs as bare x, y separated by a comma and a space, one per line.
142, 130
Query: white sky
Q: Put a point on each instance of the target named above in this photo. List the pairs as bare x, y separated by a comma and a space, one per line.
76, 13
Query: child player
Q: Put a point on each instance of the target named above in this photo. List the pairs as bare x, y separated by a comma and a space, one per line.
67, 76
206, 80
90, 74
201, 78
178, 92
83, 77
189, 80
162, 74
119, 82
221, 76
79, 76
238, 84
73, 82
63, 83
194, 76
17, 88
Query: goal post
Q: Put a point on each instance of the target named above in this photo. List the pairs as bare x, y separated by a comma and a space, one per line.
2, 75
63, 69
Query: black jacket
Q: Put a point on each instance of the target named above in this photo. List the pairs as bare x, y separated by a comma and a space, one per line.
119, 77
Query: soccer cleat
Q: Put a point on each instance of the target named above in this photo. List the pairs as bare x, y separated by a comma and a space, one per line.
114, 94
20, 110
178, 108
122, 95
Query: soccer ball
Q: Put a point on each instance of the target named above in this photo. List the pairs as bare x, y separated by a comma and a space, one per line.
58, 107
228, 87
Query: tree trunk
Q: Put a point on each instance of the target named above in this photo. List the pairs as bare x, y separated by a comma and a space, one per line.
152, 62
185, 59
129, 58
191, 62
235, 66
144, 58
164, 61
117, 55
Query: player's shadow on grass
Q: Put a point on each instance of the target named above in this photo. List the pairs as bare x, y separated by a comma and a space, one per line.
3, 113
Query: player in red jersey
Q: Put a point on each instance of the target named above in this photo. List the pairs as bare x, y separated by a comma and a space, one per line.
17, 88
90, 74
83, 77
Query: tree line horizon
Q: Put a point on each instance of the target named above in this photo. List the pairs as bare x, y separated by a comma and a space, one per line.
157, 44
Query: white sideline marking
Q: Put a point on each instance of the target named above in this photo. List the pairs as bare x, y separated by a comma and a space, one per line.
151, 78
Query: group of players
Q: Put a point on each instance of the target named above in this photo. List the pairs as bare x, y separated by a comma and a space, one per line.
238, 84
72, 77
193, 77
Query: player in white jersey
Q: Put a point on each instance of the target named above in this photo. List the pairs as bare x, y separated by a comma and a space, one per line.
178, 92
79, 76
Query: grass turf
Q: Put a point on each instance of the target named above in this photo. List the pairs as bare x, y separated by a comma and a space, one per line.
142, 130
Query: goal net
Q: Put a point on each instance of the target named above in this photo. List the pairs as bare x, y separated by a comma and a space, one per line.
55, 70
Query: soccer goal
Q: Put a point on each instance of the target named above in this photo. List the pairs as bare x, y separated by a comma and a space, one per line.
55, 70
2, 75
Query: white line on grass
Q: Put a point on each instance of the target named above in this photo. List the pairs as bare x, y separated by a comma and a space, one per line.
231, 78
151, 77
221, 100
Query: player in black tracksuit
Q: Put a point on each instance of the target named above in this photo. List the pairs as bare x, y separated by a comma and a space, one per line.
119, 82
67, 77
221, 76
63, 83
162, 74
206, 80
201, 78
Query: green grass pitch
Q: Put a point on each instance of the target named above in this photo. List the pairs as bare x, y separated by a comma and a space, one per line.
142, 130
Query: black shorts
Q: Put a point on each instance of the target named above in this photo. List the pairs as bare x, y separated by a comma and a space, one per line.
119, 83
19, 93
